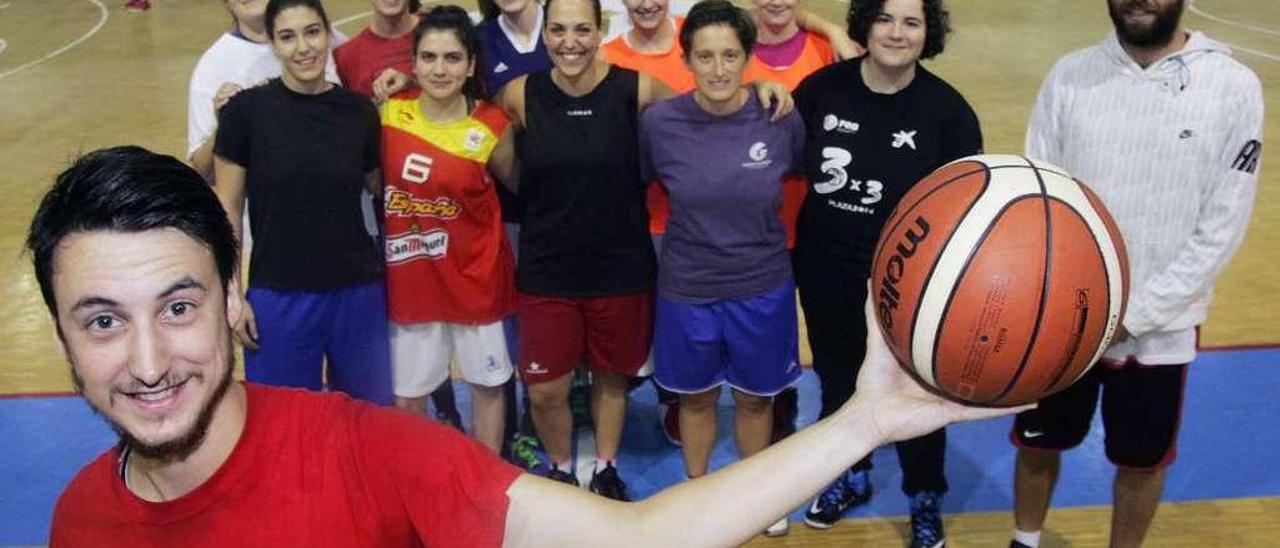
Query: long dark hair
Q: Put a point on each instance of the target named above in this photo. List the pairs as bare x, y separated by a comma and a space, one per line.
274, 7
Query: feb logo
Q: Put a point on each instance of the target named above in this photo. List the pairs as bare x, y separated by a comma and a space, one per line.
474, 140
402, 248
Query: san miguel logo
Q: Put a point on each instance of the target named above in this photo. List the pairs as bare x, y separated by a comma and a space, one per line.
403, 204
896, 266
402, 248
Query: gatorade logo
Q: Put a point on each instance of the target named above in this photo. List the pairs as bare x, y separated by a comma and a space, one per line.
895, 267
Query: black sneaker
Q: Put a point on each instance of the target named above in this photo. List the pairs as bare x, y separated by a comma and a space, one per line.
606, 483
1016, 544
556, 474
926, 521
847, 491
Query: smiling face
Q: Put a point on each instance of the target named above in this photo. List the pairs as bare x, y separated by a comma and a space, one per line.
247, 12
647, 15
571, 35
145, 323
512, 7
301, 43
896, 39
717, 60
775, 14
1145, 23
442, 65
390, 8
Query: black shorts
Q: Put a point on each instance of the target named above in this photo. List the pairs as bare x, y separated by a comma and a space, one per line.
1141, 412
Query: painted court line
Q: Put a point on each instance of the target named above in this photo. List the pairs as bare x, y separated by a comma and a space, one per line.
102, 20
355, 17
1196, 10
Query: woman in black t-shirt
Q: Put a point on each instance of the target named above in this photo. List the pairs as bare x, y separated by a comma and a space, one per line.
585, 267
875, 125
300, 150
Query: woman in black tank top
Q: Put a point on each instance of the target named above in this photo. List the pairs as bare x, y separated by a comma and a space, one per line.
585, 266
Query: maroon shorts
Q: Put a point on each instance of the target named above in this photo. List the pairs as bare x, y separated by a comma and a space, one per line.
1141, 412
613, 333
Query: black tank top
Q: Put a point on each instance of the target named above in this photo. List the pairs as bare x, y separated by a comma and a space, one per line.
584, 228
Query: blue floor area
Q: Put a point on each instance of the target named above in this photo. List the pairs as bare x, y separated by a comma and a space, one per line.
1226, 450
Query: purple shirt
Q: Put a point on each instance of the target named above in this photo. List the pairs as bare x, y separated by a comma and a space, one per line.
724, 176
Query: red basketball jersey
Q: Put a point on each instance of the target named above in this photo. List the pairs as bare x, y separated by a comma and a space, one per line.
447, 254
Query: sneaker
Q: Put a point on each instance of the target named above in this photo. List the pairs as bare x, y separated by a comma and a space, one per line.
926, 521
556, 474
137, 5
527, 453
779, 528
606, 483
669, 416
1016, 544
847, 491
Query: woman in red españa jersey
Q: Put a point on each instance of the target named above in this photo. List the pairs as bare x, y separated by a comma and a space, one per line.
450, 272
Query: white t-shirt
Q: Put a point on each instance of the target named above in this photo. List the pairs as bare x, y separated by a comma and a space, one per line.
239, 61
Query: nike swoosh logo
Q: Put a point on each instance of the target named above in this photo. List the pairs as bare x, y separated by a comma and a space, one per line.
1031, 434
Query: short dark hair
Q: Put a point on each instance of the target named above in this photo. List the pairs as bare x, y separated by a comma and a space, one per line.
454, 19
274, 7
863, 13
717, 12
595, 8
128, 189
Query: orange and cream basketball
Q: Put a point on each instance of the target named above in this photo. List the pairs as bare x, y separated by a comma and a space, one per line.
999, 280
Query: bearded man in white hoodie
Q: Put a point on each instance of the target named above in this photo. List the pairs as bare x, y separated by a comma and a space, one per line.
1166, 127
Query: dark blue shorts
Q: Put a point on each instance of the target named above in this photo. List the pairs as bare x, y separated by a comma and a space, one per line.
748, 343
299, 331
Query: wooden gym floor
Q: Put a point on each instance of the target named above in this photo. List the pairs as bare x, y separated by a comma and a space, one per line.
76, 75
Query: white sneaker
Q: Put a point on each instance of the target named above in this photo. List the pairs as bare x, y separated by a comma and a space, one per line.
779, 528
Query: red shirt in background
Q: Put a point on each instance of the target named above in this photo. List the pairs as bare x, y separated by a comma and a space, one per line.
361, 59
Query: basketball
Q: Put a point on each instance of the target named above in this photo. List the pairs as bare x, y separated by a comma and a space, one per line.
999, 280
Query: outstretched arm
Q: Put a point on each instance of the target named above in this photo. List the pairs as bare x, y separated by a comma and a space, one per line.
730, 506
843, 46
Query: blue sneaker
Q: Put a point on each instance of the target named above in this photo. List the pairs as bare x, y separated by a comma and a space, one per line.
847, 491
926, 521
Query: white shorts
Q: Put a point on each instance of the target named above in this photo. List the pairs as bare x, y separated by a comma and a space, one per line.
421, 354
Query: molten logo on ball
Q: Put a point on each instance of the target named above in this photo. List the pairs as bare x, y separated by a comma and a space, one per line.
896, 266
999, 280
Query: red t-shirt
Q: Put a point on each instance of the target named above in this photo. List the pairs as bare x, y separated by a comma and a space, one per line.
309, 470
361, 59
815, 54
447, 254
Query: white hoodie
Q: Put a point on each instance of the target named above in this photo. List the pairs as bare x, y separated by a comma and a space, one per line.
1173, 151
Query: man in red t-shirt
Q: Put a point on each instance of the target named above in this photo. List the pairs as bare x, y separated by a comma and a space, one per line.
386, 43
136, 261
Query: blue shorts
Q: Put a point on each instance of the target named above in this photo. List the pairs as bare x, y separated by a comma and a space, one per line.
748, 343
299, 330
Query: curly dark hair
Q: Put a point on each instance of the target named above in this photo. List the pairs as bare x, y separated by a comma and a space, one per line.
863, 13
